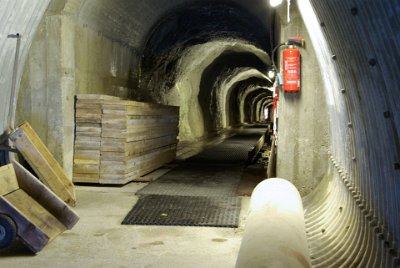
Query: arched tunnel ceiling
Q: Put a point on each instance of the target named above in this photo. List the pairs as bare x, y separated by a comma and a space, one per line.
131, 22
196, 24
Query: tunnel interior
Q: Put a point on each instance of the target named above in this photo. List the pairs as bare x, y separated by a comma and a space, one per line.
337, 139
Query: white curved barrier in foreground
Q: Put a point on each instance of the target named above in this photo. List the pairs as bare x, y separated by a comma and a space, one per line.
274, 234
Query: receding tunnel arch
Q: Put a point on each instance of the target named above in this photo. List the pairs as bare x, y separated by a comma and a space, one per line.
224, 90
222, 65
255, 104
243, 97
249, 102
264, 102
237, 96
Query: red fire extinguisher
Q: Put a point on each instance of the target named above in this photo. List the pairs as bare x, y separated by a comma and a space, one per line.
291, 69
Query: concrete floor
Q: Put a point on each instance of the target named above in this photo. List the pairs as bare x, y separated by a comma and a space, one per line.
99, 240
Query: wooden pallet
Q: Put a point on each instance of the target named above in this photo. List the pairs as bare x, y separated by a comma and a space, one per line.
43, 163
132, 138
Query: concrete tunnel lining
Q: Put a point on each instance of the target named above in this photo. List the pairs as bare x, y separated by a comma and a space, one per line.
356, 161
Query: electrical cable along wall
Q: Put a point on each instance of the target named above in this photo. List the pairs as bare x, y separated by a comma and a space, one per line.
352, 219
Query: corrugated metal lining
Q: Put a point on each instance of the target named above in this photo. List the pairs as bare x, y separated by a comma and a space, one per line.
23, 17
353, 219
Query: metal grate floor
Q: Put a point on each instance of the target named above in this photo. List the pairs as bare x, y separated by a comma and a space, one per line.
199, 192
185, 211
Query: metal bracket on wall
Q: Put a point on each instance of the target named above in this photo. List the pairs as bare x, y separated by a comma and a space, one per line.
13, 96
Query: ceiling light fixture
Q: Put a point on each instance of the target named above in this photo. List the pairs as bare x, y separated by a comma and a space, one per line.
274, 3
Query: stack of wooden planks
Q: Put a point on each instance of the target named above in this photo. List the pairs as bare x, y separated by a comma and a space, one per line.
118, 141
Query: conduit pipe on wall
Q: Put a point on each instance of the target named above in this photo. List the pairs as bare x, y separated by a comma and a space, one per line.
274, 234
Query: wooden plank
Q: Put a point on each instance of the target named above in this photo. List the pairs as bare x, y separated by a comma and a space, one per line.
92, 120
112, 145
81, 130
87, 145
88, 134
140, 133
95, 97
86, 124
137, 121
115, 167
8, 179
152, 176
134, 175
83, 138
35, 213
43, 163
87, 155
86, 178
127, 110
83, 112
125, 156
45, 197
86, 167
118, 179
132, 103
85, 105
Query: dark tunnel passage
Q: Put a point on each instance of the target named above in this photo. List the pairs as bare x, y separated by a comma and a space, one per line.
337, 139
223, 66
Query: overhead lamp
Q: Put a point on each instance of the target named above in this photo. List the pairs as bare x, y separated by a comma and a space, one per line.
274, 3
271, 73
